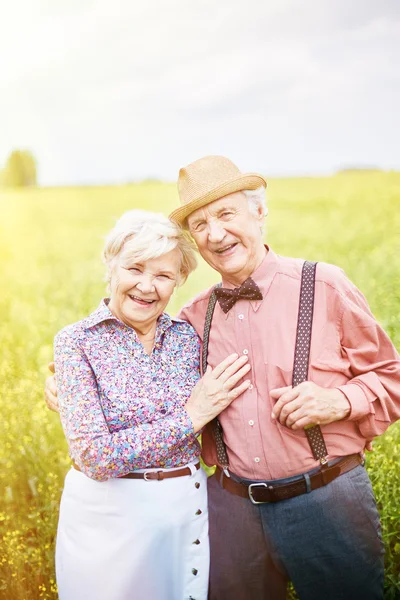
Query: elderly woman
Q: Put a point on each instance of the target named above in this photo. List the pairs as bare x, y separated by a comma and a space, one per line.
133, 515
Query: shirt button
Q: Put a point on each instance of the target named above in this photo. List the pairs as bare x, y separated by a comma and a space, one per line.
251, 422
245, 351
257, 460
241, 317
194, 571
251, 386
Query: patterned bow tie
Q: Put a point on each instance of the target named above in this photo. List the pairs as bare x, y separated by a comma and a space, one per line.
249, 290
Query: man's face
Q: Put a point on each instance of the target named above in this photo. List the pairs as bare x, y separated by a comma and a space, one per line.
229, 236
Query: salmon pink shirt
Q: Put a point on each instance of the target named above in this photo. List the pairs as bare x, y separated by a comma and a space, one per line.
349, 351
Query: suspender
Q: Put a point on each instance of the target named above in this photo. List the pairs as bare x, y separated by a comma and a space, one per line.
302, 352
216, 428
300, 363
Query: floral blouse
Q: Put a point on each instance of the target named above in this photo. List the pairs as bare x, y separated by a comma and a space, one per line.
120, 408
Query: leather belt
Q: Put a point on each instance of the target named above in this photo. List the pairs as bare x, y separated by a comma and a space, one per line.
153, 475
261, 492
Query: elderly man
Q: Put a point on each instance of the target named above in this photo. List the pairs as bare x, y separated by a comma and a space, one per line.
290, 498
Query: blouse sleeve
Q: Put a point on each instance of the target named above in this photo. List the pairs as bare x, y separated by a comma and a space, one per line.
100, 454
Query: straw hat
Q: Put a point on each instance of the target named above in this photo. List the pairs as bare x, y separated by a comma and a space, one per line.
208, 179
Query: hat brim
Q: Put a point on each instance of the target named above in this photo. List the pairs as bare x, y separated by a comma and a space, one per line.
248, 181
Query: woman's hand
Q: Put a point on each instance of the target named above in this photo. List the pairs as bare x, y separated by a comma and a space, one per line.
50, 391
216, 390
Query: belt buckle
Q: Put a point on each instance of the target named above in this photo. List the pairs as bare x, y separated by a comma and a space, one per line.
159, 475
250, 491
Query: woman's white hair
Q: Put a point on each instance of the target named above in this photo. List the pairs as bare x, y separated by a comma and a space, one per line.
140, 235
257, 198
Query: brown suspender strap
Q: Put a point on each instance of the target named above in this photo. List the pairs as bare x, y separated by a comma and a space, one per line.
222, 455
207, 326
302, 352
300, 364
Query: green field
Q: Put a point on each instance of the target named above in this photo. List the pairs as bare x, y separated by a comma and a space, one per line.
51, 275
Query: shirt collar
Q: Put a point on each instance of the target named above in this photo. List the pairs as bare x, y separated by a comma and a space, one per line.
262, 276
103, 313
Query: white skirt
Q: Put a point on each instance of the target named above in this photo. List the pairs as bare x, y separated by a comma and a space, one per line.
131, 539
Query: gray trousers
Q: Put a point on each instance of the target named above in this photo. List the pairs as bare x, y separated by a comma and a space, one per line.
327, 542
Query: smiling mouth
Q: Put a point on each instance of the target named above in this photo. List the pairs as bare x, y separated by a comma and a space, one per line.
226, 249
141, 301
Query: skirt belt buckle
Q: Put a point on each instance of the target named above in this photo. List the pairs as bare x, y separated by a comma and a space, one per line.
153, 475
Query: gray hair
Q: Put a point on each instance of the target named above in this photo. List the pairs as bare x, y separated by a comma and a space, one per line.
150, 235
257, 198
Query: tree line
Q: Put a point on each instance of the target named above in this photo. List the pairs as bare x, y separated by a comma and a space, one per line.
20, 170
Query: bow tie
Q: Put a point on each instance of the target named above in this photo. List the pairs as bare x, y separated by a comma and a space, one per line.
226, 297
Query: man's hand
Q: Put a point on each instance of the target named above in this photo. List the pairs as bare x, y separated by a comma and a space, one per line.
50, 390
216, 390
309, 404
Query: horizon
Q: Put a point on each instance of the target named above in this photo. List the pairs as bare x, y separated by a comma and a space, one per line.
157, 181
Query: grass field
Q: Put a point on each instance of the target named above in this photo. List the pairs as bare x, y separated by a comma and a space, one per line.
51, 275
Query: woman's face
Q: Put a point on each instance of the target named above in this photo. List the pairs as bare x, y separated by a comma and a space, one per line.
140, 291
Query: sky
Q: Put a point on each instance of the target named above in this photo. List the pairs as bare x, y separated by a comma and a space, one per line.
113, 92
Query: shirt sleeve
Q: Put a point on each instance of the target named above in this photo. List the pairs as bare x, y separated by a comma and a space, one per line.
374, 390
100, 454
